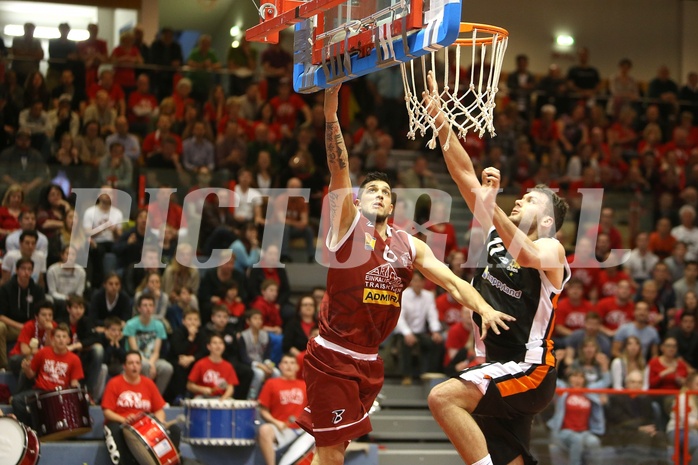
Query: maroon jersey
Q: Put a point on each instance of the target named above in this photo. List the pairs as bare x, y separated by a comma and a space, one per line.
364, 286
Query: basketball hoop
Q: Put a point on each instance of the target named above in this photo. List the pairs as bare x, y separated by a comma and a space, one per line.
476, 55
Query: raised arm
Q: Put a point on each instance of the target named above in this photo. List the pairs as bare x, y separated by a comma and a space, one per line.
459, 164
342, 209
465, 294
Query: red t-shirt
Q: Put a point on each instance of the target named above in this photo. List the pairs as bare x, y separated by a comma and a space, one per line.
116, 93
669, 381
29, 331
136, 100
124, 75
608, 284
577, 413
587, 270
286, 111
572, 316
449, 309
270, 311
613, 314
457, 338
214, 375
235, 308
124, 398
285, 399
365, 281
174, 217
55, 370
151, 143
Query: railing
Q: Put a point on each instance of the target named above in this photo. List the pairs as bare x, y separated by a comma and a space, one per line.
685, 454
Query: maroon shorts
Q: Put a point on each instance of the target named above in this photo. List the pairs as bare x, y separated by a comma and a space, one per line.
341, 390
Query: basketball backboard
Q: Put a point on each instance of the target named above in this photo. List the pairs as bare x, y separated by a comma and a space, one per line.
339, 40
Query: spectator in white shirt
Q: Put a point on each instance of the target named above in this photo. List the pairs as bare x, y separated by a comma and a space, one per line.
420, 329
27, 222
250, 206
687, 232
27, 249
66, 277
639, 262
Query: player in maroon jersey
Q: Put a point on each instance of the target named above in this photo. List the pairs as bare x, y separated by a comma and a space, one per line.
371, 264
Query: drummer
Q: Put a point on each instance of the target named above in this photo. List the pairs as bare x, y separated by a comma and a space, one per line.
52, 367
125, 397
281, 402
212, 376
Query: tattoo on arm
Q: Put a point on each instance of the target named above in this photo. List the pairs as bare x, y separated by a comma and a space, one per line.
336, 150
334, 204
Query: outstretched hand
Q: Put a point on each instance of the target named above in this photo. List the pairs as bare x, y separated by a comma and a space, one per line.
431, 99
493, 320
332, 101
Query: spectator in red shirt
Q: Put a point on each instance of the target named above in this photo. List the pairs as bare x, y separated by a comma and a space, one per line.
609, 279
267, 304
152, 142
39, 329
125, 57
287, 105
617, 309
164, 209
281, 402
93, 52
572, 309
667, 371
606, 225
585, 267
458, 341
125, 397
142, 106
213, 376
544, 130
117, 98
661, 242
52, 367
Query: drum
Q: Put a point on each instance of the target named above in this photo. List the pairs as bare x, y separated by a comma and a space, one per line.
60, 414
19, 444
300, 452
215, 422
148, 441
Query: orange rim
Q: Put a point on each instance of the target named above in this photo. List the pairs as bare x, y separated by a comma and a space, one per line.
495, 32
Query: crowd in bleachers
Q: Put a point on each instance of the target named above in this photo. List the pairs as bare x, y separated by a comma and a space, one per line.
144, 116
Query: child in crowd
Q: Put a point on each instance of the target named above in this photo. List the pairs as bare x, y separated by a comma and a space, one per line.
112, 340
236, 308
220, 324
266, 303
183, 300
255, 349
188, 344
35, 334
212, 376
146, 335
85, 344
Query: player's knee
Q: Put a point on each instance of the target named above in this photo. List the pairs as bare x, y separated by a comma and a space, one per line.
437, 398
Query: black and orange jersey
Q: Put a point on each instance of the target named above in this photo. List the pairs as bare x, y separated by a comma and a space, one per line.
526, 294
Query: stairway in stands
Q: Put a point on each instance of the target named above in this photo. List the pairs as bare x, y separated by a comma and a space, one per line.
407, 434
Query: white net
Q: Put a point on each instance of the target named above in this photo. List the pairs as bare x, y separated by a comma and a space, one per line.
468, 75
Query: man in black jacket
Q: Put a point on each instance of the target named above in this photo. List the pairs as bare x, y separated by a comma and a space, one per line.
18, 299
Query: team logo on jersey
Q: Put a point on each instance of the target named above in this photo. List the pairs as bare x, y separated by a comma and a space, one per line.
369, 242
373, 296
513, 267
338, 416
